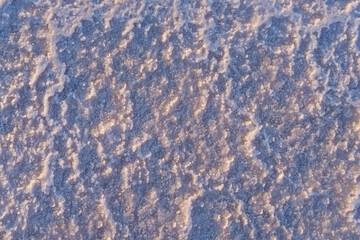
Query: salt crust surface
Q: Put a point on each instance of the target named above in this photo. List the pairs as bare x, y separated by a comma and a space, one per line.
179, 119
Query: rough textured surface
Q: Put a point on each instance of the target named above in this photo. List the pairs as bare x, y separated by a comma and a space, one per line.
179, 119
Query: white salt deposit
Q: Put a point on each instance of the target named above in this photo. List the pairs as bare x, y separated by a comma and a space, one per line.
201, 119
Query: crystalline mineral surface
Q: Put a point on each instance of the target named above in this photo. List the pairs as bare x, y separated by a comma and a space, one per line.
179, 119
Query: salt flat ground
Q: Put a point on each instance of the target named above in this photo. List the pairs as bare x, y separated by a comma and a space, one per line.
179, 119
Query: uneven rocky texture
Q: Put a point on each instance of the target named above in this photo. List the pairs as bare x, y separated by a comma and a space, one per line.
179, 119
